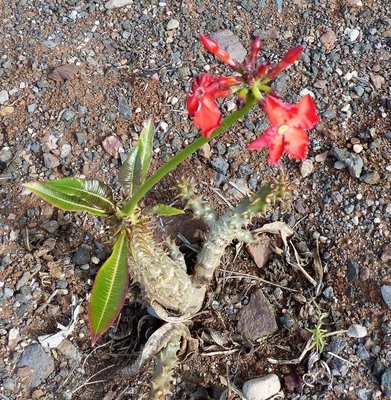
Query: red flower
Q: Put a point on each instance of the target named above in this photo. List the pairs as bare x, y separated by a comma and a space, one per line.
213, 47
290, 57
288, 131
202, 104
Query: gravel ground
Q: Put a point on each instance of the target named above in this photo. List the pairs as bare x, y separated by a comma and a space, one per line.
137, 60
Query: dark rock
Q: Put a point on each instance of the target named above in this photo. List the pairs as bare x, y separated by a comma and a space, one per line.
220, 165
81, 256
386, 254
371, 178
50, 226
353, 271
257, 318
362, 352
35, 364
124, 107
353, 162
386, 383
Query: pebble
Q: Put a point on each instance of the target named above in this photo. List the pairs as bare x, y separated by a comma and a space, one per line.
353, 34
377, 80
50, 161
386, 383
358, 148
220, 165
81, 256
257, 319
65, 150
229, 42
262, 388
31, 107
172, 24
328, 39
362, 352
306, 168
371, 178
353, 162
13, 338
35, 365
3, 97
5, 154
353, 270
359, 90
117, 4
386, 294
50, 226
124, 107
205, 151
386, 253
357, 331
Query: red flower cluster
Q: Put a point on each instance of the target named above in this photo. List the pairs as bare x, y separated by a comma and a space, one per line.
290, 122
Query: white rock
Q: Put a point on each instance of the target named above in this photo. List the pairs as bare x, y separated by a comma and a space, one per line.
66, 150
353, 34
117, 4
306, 168
172, 24
163, 126
262, 388
4, 96
305, 91
13, 338
358, 148
357, 331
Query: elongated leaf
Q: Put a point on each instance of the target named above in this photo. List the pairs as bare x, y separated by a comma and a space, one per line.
134, 170
108, 292
166, 211
72, 194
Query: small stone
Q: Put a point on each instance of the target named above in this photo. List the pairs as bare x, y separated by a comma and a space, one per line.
353, 34
357, 331
358, 148
50, 161
300, 207
13, 338
220, 165
81, 256
124, 107
306, 168
353, 162
37, 394
386, 294
112, 145
321, 158
359, 90
362, 352
50, 226
5, 154
205, 151
377, 80
353, 271
3, 97
257, 318
371, 178
31, 107
262, 388
172, 24
35, 364
65, 150
386, 383
386, 254
229, 42
328, 39
260, 252
111, 4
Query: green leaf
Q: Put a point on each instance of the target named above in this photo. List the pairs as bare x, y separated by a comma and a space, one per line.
72, 194
166, 211
109, 290
134, 170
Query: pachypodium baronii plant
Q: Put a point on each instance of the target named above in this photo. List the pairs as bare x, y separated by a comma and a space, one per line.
159, 268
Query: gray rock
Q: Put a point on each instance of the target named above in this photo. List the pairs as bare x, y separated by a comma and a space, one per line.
364, 394
31, 107
124, 107
220, 165
359, 90
81, 256
229, 42
39, 363
65, 150
262, 388
257, 318
50, 161
362, 352
353, 271
50, 226
386, 383
371, 178
353, 162
117, 4
3, 96
386, 294
357, 331
172, 24
68, 115
5, 154
388, 135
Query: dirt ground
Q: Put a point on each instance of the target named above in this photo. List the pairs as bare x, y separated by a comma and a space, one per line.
132, 65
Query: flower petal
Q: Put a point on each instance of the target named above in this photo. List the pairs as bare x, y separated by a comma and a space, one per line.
192, 104
307, 116
296, 143
276, 150
278, 112
213, 47
208, 116
263, 141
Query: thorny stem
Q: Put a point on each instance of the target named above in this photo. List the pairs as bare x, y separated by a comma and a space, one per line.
130, 205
